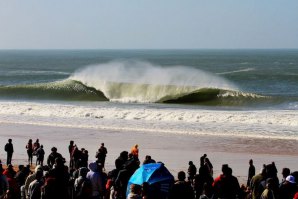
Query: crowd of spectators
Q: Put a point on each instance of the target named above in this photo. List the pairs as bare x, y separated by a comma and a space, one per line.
85, 179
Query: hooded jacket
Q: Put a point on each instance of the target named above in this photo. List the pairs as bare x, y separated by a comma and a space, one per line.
96, 179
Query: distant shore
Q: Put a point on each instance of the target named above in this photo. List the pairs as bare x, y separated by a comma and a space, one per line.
173, 150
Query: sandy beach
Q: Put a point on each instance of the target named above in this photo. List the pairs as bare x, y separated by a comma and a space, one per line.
172, 149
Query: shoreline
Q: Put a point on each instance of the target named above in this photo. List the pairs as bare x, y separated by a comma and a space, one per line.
172, 149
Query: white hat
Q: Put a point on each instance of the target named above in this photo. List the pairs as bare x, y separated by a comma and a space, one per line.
290, 179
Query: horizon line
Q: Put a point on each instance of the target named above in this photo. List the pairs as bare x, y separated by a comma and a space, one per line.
148, 49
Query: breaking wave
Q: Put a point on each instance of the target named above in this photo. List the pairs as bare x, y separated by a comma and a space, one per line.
135, 81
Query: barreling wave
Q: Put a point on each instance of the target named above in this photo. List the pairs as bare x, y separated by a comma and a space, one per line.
138, 82
219, 97
67, 90
71, 90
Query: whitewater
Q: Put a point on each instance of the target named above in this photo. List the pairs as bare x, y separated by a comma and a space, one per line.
258, 124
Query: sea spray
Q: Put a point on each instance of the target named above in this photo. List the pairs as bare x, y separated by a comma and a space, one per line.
140, 81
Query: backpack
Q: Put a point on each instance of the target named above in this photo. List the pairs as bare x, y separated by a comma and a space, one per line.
84, 189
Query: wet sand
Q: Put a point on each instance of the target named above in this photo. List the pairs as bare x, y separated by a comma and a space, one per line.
174, 150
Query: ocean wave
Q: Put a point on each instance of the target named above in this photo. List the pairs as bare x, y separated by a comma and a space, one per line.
59, 90
71, 90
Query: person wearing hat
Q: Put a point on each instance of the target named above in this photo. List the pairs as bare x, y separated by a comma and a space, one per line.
52, 156
287, 189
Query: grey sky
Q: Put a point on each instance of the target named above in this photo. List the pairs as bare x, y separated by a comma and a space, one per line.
133, 24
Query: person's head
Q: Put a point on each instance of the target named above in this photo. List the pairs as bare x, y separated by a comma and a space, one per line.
145, 187
290, 179
37, 141
136, 146
181, 176
21, 167
269, 183
224, 168
190, 163
206, 160
39, 175
83, 171
10, 167
205, 155
38, 168
9, 140
285, 172
251, 162
102, 144
136, 189
71, 142
59, 162
30, 141
54, 149
41, 146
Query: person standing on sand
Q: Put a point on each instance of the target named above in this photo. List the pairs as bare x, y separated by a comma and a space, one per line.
29, 148
251, 172
9, 150
40, 155
135, 151
101, 155
191, 171
71, 147
202, 160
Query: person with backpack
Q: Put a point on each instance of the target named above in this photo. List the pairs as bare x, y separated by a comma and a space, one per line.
83, 185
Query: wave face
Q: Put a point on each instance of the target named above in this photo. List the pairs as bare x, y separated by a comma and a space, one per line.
60, 90
136, 81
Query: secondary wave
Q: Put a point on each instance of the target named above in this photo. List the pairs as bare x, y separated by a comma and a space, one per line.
60, 90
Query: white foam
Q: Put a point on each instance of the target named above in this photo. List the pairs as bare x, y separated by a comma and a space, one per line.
280, 124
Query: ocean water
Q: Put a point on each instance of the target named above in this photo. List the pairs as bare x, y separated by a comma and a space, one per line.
248, 93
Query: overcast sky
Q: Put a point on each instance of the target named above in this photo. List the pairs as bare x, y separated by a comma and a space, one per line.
148, 24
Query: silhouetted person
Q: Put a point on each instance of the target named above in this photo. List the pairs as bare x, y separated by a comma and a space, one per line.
71, 147
53, 155
29, 148
40, 155
285, 173
148, 160
226, 185
191, 171
181, 188
288, 188
251, 172
202, 160
9, 150
101, 155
